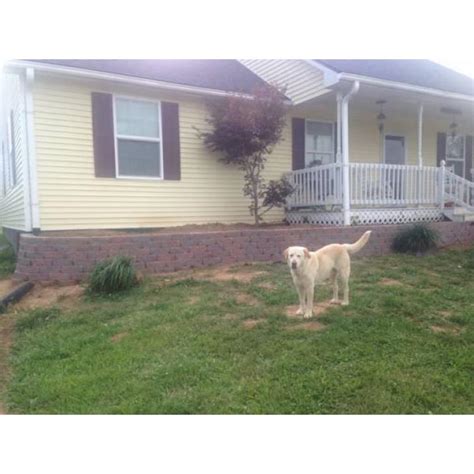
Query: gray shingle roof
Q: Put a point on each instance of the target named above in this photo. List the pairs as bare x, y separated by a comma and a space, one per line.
221, 74
419, 72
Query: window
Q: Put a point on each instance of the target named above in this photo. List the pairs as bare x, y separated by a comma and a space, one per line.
319, 143
12, 148
455, 153
138, 138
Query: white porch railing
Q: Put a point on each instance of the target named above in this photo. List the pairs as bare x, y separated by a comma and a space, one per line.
316, 186
370, 184
458, 190
393, 185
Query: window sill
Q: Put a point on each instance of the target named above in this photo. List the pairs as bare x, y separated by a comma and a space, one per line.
140, 178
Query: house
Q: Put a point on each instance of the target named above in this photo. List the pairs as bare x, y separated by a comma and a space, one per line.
113, 144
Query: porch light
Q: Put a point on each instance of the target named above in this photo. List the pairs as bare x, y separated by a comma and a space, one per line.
381, 116
453, 128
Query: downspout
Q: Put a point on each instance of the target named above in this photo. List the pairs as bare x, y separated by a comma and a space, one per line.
338, 131
346, 202
32, 179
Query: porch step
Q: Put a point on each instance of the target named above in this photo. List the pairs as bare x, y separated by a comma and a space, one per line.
459, 214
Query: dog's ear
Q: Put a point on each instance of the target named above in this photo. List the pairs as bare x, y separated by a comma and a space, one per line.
306, 253
285, 253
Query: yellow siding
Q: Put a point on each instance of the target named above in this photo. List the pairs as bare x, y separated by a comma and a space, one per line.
12, 202
71, 197
301, 80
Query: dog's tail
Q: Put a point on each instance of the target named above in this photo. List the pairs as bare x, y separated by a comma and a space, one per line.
357, 246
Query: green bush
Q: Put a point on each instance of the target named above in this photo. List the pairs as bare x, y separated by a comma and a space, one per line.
112, 276
418, 238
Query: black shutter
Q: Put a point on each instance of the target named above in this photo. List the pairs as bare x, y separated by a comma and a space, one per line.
440, 148
298, 148
103, 135
171, 145
469, 164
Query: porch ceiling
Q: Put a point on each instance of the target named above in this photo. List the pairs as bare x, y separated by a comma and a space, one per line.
397, 102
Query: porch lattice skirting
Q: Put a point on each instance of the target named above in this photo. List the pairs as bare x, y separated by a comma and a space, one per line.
366, 216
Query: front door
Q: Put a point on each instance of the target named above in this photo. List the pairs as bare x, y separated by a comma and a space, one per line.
394, 153
455, 156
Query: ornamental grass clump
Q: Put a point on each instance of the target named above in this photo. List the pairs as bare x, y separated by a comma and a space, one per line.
416, 239
112, 276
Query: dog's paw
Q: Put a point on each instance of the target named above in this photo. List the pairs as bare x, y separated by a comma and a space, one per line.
345, 303
308, 315
300, 311
335, 301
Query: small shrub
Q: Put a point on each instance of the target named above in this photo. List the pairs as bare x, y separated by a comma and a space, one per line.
7, 261
418, 238
112, 276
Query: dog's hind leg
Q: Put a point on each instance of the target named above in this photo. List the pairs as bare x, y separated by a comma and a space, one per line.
335, 288
345, 274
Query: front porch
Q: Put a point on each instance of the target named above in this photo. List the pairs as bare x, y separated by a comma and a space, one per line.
397, 157
378, 194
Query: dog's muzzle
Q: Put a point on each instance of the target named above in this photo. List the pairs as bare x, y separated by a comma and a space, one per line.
293, 265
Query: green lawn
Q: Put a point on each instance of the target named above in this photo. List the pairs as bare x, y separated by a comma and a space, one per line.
404, 345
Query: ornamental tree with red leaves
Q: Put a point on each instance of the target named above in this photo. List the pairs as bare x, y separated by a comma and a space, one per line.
244, 131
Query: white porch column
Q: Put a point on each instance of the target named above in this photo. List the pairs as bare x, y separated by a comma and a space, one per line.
346, 198
420, 153
338, 129
420, 135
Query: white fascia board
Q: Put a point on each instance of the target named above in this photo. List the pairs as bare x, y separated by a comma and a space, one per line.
330, 77
406, 87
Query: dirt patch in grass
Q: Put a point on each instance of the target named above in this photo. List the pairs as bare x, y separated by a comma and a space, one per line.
251, 323
318, 309
193, 299
119, 336
308, 326
7, 285
245, 298
266, 285
218, 274
226, 274
455, 330
390, 282
65, 297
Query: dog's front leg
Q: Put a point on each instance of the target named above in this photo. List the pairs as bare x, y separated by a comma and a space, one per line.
309, 291
301, 296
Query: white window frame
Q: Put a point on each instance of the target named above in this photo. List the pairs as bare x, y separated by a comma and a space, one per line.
460, 160
333, 138
137, 138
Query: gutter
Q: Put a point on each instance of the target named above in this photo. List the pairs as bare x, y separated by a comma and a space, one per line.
406, 87
89, 74
334, 77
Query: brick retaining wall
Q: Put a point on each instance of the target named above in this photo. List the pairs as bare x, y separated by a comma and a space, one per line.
70, 259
